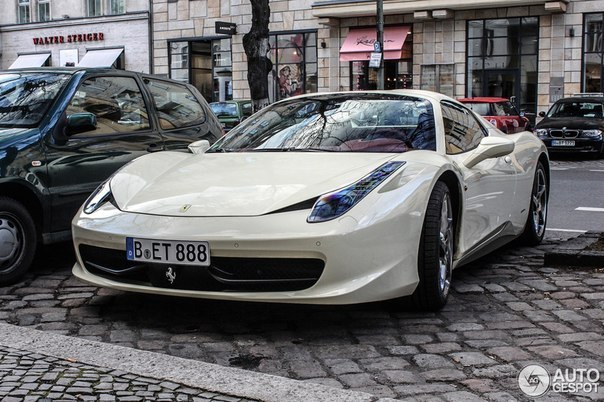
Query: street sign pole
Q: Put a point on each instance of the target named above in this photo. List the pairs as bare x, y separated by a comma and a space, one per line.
380, 41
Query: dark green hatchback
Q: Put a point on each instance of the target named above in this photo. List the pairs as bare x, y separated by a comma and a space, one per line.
64, 131
230, 113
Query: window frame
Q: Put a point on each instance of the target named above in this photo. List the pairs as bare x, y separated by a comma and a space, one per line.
593, 45
305, 50
26, 6
40, 13
444, 105
119, 4
98, 8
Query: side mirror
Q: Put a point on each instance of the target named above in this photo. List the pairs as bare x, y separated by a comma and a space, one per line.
541, 114
80, 122
489, 147
199, 147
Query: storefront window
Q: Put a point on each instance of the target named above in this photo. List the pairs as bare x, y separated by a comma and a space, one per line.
206, 64
397, 75
294, 57
179, 61
43, 10
24, 15
593, 30
222, 70
502, 60
439, 78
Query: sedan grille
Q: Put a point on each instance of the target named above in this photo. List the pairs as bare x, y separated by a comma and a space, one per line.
226, 274
564, 133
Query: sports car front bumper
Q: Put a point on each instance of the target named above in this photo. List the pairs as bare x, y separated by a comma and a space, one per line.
363, 258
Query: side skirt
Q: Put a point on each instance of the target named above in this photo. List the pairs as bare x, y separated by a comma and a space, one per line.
499, 237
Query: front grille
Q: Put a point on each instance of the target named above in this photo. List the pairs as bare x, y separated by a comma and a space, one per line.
564, 133
226, 274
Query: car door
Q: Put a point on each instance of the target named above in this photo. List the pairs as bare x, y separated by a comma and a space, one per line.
489, 186
105, 125
183, 116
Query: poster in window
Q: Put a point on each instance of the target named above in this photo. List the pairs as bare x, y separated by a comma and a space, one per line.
290, 81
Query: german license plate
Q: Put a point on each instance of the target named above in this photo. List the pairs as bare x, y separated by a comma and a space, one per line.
563, 143
168, 251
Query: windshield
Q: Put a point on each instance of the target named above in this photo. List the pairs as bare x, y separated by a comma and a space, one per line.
25, 98
224, 109
576, 109
351, 122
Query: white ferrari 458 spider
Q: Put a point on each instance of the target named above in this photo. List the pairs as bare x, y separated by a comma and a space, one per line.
329, 198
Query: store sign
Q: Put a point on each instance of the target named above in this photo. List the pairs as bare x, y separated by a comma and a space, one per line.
375, 60
53, 40
226, 28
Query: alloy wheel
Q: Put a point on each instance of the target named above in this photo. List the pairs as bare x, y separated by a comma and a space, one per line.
445, 257
539, 202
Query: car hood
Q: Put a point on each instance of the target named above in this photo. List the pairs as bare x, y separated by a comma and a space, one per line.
572, 123
235, 184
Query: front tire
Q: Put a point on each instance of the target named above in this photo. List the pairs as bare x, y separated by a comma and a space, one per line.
534, 229
435, 257
18, 240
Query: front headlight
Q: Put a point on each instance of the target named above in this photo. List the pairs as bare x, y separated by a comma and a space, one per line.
332, 205
592, 133
101, 195
541, 132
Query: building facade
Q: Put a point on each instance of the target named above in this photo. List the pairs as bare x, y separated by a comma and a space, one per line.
532, 51
76, 32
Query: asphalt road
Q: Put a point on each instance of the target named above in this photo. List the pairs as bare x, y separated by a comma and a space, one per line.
576, 196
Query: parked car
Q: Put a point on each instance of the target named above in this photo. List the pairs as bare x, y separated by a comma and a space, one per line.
500, 112
64, 131
230, 113
321, 198
574, 124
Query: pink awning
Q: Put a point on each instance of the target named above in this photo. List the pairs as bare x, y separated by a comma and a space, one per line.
360, 41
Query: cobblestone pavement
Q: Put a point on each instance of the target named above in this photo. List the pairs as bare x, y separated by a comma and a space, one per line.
30, 377
505, 312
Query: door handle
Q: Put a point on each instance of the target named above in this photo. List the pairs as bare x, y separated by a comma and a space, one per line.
155, 148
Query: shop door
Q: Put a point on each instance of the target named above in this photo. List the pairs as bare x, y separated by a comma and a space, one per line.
502, 83
201, 68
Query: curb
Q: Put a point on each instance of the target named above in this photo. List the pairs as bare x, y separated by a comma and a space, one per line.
195, 374
574, 253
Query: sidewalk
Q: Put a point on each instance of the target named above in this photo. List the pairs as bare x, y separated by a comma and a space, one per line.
42, 366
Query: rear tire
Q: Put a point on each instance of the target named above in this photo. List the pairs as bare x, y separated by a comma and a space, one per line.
435, 256
534, 229
18, 240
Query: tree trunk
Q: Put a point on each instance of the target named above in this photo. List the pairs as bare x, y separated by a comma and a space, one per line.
256, 46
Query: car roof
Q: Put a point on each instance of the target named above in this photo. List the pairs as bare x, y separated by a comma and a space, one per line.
422, 93
581, 99
483, 99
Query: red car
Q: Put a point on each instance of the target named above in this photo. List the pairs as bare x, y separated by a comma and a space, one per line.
500, 112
